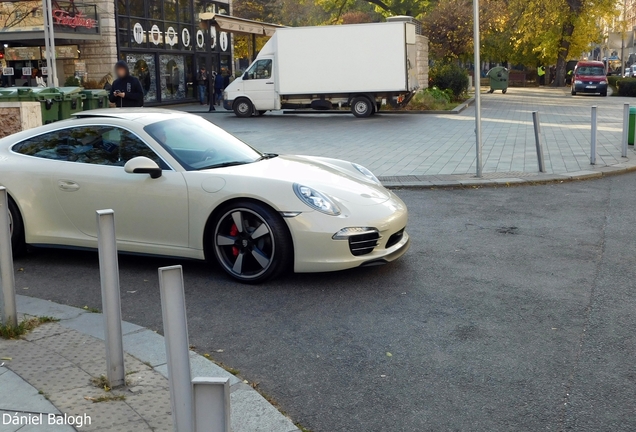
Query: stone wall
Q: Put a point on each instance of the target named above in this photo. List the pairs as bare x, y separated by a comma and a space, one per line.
19, 116
422, 60
99, 56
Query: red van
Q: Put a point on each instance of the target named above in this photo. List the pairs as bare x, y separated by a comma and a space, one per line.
589, 77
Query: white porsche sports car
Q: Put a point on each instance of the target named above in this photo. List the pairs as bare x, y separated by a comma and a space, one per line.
182, 187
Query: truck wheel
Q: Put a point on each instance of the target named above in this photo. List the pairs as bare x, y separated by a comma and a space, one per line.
243, 108
361, 107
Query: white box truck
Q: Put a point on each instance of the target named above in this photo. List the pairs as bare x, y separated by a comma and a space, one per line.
356, 66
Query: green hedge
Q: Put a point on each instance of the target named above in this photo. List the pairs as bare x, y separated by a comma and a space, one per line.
626, 87
449, 77
612, 80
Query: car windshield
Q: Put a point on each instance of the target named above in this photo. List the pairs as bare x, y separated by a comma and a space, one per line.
591, 71
198, 144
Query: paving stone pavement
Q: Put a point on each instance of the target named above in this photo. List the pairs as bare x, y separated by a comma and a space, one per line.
52, 369
416, 149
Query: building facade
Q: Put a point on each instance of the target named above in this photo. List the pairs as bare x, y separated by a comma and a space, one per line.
163, 41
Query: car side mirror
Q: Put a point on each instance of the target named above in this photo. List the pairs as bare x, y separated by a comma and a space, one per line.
245, 76
143, 165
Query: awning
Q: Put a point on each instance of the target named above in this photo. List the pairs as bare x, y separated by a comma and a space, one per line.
239, 25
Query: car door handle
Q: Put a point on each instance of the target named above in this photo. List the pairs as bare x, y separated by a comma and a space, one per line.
269, 82
68, 185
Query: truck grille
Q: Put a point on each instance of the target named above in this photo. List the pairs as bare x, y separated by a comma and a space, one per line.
363, 244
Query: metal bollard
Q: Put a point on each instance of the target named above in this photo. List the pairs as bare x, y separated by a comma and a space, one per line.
625, 130
211, 404
537, 140
175, 331
7, 277
111, 298
593, 140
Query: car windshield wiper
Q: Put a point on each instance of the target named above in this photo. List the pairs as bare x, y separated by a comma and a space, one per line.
267, 156
223, 165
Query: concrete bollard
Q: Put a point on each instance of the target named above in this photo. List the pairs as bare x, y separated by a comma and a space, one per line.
7, 277
175, 331
111, 298
211, 404
593, 138
625, 130
537, 140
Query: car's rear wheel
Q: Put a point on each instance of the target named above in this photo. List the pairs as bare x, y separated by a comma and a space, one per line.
252, 242
16, 228
243, 108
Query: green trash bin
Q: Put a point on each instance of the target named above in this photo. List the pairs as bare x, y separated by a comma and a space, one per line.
498, 79
50, 103
632, 125
71, 101
17, 94
95, 99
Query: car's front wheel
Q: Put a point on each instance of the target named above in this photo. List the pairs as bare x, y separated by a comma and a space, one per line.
252, 242
16, 229
243, 108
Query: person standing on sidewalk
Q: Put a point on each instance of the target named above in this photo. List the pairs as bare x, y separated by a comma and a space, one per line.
202, 83
541, 73
126, 90
219, 81
212, 98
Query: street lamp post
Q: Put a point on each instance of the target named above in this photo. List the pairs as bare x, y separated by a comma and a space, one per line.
477, 75
49, 43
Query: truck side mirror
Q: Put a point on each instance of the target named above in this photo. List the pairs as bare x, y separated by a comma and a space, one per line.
246, 76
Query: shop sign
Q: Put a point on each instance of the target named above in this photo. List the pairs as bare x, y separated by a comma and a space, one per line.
155, 34
63, 52
171, 36
200, 38
22, 53
7, 71
212, 37
65, 19
223, 41
185, 37
138, 33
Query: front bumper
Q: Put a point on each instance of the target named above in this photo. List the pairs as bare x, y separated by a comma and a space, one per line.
586, 87
315, 250
227, 104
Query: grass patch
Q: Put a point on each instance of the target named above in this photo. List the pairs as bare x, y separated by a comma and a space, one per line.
431, 99
91, 309
101, 382
23, 327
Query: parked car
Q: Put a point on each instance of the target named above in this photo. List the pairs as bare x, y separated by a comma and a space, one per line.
182, 187
589, 77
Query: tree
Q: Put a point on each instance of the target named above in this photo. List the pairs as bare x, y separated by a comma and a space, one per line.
381, 8
449, 28
13, 14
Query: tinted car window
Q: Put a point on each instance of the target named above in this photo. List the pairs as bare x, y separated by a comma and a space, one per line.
53, 145
99, 145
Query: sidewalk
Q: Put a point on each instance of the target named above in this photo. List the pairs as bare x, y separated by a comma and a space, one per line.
52, 375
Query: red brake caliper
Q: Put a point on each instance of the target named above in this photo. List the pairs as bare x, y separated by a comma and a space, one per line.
234, 232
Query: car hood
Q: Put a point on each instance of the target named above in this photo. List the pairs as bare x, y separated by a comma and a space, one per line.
336, 178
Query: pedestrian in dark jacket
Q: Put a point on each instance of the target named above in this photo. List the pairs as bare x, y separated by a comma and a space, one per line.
212, 98
126, 90
218, 88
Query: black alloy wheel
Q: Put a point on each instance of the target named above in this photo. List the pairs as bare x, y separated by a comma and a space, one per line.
252, 243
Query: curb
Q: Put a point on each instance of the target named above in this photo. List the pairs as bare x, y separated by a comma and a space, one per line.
251, 412
462, 181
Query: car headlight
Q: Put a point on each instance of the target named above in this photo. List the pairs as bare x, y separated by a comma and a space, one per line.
316, 200
365, 172
578, 82
603, 82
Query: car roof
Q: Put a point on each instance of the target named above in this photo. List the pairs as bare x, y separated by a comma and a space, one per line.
590, 63
141, 115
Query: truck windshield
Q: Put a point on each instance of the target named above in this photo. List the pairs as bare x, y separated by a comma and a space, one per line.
591, 71
261, 69
198, 144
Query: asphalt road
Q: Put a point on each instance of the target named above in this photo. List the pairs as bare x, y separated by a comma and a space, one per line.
513, 311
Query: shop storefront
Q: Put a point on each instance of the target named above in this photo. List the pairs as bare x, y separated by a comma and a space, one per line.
165, 43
